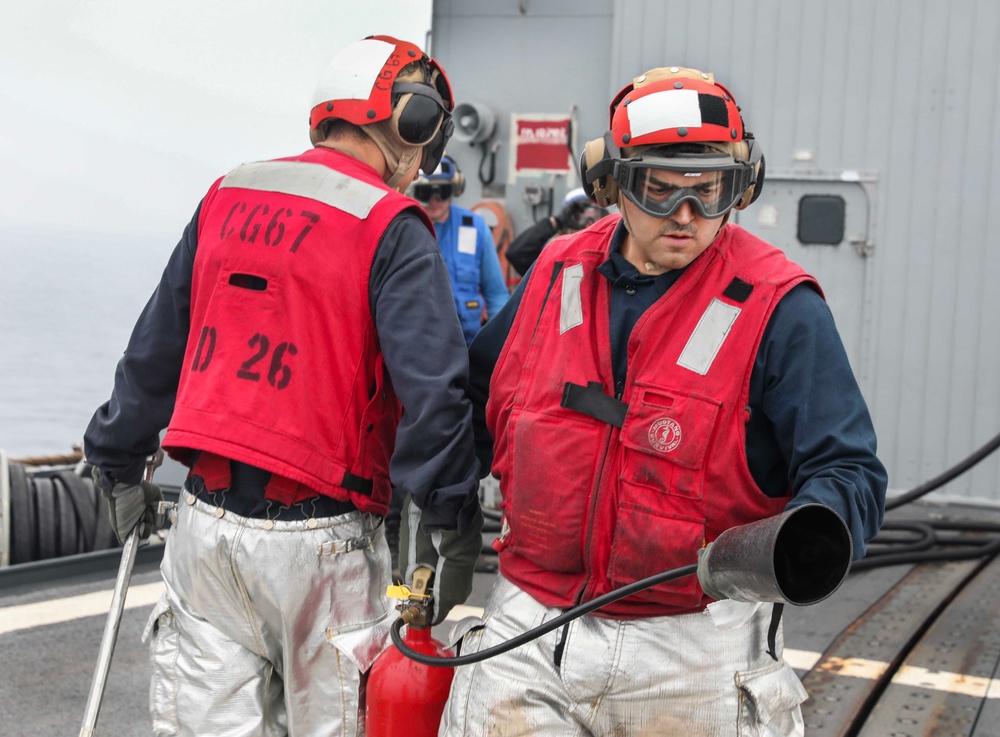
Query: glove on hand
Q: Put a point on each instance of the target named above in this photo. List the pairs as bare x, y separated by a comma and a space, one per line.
704, 576
452, 557
130, 504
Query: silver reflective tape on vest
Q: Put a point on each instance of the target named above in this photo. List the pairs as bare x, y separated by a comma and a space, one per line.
708, 336
315, 181
571, 308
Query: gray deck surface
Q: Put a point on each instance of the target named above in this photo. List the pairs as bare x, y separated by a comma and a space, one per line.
47, 669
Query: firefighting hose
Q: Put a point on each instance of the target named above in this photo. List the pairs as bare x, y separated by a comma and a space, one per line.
414, 611
799, 557
883, 550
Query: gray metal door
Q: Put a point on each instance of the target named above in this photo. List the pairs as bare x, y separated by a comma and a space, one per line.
824, 223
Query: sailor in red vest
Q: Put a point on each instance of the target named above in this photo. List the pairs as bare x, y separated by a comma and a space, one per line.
302, 344
656, 379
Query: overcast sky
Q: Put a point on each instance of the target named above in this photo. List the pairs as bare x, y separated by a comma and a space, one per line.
117, 115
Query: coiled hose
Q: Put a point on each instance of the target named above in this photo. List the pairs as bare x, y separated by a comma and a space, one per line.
907, 541
54, 512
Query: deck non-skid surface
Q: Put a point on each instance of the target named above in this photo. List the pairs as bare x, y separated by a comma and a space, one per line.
872, 661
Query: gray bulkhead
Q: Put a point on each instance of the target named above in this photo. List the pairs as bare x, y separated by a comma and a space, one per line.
879, 123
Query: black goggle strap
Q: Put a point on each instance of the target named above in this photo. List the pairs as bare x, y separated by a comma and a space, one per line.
435, 77
755, 156
630, 169
419, 88
605, 166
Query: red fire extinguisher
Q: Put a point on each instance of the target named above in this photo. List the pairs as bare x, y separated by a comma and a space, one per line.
404, 697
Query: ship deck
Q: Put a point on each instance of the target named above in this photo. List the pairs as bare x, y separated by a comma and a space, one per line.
906, 649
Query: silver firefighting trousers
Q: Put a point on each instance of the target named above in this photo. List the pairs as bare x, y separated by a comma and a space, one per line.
265, 626
680, 675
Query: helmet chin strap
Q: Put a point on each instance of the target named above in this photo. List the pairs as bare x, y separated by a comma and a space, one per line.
400, 158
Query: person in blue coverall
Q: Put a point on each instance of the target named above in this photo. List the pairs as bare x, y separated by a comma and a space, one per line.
466, 244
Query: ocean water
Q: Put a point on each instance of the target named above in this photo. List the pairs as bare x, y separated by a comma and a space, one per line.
68, 302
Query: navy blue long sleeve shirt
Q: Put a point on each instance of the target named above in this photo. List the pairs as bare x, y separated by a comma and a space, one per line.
421, 340
809, 434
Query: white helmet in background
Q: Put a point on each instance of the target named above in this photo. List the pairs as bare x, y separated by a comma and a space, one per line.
579, 210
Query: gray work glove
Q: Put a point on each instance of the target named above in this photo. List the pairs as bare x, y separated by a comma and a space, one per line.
705, 577
129, 505
452, 557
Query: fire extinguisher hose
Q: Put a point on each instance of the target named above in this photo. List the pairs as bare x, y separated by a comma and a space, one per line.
567, 616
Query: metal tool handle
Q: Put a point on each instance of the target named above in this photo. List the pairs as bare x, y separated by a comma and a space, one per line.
111, 626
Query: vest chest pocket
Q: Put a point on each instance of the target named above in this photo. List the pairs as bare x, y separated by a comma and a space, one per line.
666, 435
554, 467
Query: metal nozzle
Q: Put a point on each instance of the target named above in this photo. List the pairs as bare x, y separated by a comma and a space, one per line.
798, 557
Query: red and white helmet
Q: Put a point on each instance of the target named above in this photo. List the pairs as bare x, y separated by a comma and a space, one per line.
675, 105
382, 78
664, 107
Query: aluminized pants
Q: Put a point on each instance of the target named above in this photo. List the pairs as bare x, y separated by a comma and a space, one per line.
658, 676
266, 626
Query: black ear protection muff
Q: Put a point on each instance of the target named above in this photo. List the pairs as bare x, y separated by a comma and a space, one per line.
755, 157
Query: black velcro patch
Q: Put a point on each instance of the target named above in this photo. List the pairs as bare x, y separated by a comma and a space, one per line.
738, 290
713, 110
467, 220
591, 400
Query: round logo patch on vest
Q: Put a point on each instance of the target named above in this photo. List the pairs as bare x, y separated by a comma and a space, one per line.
665, 434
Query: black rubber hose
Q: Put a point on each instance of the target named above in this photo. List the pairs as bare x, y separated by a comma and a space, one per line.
492, 514
887, 552
532, 634
980, 550
967, 547
68, 532
22, 517
84, 507
55, 513
92, 510
952, 473
46, 521
916, 550
926, 537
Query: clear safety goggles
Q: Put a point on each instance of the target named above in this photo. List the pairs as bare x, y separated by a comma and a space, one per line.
713, 183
